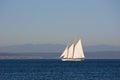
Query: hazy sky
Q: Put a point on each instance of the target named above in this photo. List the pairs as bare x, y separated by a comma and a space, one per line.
58, 21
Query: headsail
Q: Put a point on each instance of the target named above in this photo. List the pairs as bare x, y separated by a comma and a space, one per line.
65, 53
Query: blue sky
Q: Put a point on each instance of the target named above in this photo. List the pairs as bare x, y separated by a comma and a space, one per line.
96, 22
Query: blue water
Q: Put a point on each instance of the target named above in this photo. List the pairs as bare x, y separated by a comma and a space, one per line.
58, 70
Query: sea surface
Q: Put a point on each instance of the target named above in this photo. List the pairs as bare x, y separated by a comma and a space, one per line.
53, 69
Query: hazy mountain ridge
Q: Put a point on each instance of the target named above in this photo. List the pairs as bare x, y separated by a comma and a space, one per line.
53, 51
54, 48
100, 48
33, 48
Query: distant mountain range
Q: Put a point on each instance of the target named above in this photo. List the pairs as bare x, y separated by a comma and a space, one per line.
33, 48
100, 48
54, 48
53, 51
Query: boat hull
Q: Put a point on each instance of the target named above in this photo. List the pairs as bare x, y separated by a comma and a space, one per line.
72, 59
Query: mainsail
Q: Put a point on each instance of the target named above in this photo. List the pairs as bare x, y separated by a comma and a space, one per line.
78, 52
73, 52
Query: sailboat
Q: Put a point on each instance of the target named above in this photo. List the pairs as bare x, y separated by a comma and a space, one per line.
73, 52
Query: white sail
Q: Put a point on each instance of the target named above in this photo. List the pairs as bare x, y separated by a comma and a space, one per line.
65, 53
70, 52
73, 52
78, 51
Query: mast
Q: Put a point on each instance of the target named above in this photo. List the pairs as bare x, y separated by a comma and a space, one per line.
73, 50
